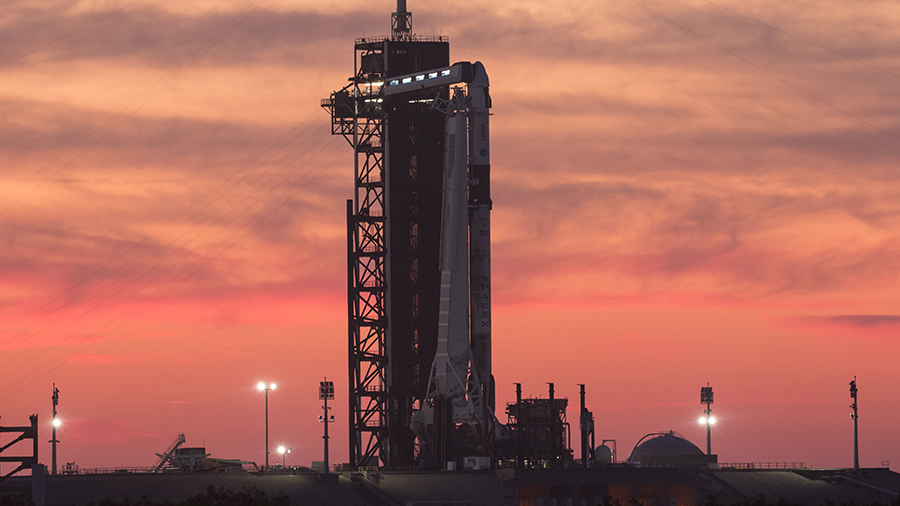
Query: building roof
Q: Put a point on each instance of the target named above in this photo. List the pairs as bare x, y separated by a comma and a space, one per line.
666, 448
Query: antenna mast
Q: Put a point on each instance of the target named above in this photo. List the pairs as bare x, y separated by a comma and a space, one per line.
55, 424
401, 22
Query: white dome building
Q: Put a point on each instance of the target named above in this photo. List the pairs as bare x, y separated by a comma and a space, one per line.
668, 449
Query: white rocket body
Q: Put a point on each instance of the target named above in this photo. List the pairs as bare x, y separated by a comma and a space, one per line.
480, 227
461, 375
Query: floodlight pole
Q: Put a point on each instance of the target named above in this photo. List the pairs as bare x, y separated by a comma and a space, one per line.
708, 431
855, 417
326, 391
706, 397
263, 386
325, 407
53, 424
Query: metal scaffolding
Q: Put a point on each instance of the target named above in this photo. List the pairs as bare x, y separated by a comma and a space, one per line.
357, 115
393, 238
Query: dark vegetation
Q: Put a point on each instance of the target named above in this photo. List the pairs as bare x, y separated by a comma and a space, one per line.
256, 497
759, 500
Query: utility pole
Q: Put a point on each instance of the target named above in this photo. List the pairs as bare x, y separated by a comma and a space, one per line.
855, 417
54, 423
326, 391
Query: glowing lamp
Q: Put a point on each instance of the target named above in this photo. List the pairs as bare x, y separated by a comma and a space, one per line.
262, 387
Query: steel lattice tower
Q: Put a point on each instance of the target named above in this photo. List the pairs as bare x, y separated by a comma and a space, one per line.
393, 239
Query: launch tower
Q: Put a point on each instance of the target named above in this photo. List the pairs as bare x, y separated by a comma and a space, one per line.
394, 231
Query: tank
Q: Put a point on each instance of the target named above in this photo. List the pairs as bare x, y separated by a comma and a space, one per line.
603, 454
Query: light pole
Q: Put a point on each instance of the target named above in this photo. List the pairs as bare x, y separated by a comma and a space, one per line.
855, 417
55, 423
326, 391
706, 397
264, 387
282, 450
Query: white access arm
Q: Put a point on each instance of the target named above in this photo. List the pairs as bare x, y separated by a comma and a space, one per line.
461, 72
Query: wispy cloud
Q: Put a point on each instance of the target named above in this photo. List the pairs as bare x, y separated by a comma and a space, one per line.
864, 320
159, 37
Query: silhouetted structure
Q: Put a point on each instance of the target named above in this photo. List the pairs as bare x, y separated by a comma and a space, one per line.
24, 433
393, 228
855, 417
541, 432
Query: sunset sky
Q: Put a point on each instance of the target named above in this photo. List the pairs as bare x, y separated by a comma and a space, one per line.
685, 192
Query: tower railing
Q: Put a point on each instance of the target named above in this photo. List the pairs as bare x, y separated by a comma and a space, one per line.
412, 38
